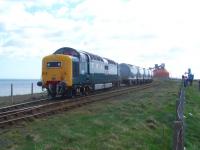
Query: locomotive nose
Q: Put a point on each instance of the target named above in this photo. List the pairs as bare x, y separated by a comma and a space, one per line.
56, 74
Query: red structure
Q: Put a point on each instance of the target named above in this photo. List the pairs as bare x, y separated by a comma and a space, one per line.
160, 71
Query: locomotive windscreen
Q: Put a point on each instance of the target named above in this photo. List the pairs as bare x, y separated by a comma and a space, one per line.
67, 51
53, 64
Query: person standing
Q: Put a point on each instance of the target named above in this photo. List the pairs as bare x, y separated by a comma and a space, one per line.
185, 81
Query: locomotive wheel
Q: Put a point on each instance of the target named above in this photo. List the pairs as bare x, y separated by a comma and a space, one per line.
52, 92
51, 95
87, 90
82, 91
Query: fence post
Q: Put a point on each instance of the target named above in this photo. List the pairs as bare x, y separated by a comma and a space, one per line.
12, 93
32, 89
178, 139
178, 136
177, 104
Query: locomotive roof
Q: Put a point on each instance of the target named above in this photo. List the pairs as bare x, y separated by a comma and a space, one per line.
76, 53
93, 56
110, 61
96, 57
67, 51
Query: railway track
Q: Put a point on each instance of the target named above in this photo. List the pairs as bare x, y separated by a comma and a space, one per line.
21, 105
6, 109
27, 111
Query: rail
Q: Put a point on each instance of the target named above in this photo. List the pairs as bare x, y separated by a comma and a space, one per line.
12, 116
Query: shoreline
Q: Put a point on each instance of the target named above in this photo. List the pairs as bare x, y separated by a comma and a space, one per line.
7, 100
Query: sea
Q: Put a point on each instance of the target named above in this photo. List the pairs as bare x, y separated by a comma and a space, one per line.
20, 86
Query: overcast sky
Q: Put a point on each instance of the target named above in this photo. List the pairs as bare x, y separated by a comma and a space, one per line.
139, 32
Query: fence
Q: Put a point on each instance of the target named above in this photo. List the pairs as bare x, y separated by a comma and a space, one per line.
12, 91
178, 138
19, 91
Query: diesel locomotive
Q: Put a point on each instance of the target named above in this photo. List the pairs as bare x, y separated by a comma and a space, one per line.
74, 72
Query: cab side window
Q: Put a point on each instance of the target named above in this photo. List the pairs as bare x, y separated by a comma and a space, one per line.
75, 69
106, 67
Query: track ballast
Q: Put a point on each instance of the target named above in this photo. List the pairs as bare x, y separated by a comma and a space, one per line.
27, 111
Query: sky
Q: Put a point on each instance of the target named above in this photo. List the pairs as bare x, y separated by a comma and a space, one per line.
138, 32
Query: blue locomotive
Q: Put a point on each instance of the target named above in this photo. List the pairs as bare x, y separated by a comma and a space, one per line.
73, 72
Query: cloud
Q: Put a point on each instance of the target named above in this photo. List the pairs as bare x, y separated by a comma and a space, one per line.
2, 27
137, 32
12, 43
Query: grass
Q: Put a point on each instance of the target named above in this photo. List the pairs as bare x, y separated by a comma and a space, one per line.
140, 120
192, 118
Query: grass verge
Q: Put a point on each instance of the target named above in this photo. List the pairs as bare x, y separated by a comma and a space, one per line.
192, 118
138, 120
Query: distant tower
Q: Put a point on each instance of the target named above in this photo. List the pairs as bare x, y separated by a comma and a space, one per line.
160, 71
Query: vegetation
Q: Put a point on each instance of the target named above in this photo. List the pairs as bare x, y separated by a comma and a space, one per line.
138, 120
192, 118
